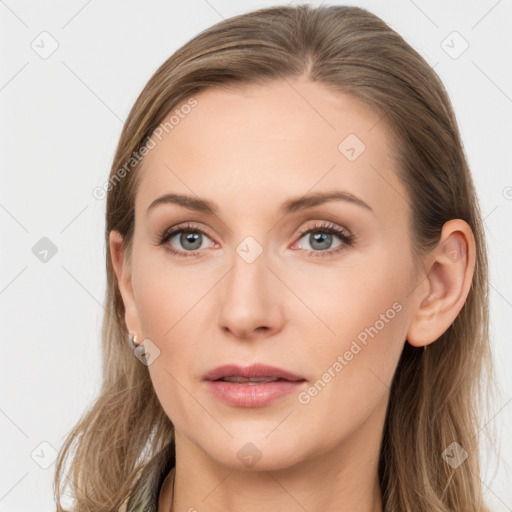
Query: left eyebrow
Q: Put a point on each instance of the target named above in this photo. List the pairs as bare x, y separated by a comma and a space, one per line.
289, 206
314, 199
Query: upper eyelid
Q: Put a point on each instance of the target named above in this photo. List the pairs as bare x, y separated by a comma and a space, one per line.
184, 227
327, 225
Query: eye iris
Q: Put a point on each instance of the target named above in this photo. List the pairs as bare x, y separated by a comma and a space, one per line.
192, 237
324, 238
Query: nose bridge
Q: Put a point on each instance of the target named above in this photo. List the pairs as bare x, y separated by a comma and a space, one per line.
248, 270
250, 298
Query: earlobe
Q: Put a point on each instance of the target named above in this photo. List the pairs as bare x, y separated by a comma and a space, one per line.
122, 269
448, 281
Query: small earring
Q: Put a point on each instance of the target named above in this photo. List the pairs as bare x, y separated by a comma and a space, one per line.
132, 337
138, 348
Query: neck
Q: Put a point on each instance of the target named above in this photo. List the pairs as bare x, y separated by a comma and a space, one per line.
342, 478
288, 490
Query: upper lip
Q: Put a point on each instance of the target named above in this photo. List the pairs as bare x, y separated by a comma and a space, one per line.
255, 370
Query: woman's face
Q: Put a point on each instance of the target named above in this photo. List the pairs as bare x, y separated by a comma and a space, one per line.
266, 278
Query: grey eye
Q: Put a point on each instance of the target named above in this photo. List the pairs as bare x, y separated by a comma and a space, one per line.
318, 240
189, 240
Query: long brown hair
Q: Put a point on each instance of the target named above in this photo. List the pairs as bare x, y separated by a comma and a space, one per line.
436, 395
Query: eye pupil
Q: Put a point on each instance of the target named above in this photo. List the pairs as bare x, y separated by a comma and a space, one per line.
190, 237
326, 238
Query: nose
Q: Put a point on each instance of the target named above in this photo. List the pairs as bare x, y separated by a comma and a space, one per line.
251, 300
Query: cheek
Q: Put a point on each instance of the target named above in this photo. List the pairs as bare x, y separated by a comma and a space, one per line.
360, 300
170, 304
165, 315
166, 296
356, 334
363, 332
354, 367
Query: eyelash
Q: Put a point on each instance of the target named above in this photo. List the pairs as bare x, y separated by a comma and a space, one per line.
346, 238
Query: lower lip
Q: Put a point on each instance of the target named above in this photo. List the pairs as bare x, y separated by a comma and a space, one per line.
252, 395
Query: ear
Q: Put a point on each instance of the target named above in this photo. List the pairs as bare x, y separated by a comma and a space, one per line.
450, 270
122, 268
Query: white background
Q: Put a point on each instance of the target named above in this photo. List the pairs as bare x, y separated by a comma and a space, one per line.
61, 118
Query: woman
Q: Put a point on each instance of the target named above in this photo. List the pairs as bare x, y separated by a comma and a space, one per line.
296, 256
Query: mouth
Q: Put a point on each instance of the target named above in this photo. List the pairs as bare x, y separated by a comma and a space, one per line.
253, 386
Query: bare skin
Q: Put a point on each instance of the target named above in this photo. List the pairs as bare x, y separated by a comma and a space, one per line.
249, 150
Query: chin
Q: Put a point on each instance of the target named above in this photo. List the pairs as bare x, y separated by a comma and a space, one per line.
257, 453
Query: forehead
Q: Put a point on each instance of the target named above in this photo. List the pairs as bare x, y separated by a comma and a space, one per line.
257, 143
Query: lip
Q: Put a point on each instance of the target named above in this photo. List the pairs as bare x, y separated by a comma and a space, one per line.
251, 395
255, 370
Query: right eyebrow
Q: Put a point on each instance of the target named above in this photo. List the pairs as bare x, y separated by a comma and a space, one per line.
189, 202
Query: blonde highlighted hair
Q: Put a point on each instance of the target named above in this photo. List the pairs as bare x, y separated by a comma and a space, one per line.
437, 395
